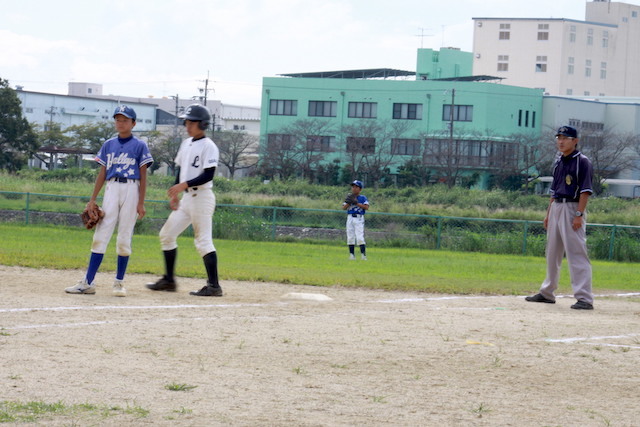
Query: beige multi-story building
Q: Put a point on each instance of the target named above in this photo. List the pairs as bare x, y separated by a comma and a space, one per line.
599, 56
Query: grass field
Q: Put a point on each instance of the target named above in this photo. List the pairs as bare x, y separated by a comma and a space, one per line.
311, 264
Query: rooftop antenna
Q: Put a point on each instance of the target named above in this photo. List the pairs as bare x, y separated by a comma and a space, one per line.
422, 35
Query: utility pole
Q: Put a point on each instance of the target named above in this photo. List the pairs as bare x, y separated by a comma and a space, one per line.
453, 97
205, 92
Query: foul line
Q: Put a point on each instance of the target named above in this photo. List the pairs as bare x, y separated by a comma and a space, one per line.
630, 294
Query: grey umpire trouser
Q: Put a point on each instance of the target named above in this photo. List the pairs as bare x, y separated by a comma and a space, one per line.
563, 239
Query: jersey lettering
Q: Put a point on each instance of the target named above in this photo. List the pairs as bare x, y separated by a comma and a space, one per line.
196, 162
122, 159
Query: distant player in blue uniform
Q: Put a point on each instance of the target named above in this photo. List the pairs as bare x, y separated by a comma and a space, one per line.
124, 161
356, 205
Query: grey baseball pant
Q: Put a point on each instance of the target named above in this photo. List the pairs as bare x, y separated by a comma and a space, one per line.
563, 239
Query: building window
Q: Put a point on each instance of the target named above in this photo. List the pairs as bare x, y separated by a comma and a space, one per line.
363, 110
363, 145
587, 68
405, 147
321, 143
505, 32
282, 107
634, 14
570, 67
28, 110
278, 141
543, 31
569, 91
322, 108
407, 111
503, 62
572, 34
526, 118
590, 36
587, 93
461, 113
541, 64
605, 39
603, 70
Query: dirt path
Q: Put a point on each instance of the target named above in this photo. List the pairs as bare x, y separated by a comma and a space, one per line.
364, 358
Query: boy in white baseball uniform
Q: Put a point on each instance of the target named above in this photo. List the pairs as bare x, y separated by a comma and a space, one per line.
124, 161
197, 160
356, 208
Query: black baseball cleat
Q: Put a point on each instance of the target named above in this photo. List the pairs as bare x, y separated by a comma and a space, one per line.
539, 298
208, 291
164, 284
582, 305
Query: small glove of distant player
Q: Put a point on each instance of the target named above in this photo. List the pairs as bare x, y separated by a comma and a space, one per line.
351, 199
91, 215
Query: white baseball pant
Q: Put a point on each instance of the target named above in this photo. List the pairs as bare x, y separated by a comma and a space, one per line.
120, 205
563, 239
196, 208
355, 230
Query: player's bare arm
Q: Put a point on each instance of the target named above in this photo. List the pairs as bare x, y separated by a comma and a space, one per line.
582, 205
177, 189
143, 192
545, 222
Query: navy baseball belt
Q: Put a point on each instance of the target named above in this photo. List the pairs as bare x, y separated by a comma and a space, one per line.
121, 179
566, 200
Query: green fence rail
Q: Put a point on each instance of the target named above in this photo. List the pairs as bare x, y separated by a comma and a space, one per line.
243, 222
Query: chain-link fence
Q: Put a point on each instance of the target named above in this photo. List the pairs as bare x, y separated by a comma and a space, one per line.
268, 223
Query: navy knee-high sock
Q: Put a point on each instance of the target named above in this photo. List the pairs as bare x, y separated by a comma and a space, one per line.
94, 265
122, 267
211, 264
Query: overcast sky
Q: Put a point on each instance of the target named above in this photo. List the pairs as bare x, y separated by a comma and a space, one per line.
163, 48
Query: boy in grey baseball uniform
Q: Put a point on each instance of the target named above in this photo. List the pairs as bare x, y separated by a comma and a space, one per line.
197, 159
565, 222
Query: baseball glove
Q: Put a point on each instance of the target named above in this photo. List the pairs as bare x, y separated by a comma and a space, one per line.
91, 215
351, 199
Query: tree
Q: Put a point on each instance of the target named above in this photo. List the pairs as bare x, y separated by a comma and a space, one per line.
312, 140
369, 145
278, 157
237, 150
90, 135
610, 153
18, 141
164, 148
152, 139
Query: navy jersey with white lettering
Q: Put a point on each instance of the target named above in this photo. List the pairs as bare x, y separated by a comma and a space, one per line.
572, 175
123, 157
357, 210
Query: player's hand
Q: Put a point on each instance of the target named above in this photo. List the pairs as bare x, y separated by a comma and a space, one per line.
545, 223
141, 210
177, 189
174, 203
577, 223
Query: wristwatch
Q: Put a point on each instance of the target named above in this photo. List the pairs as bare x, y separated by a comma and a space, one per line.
578, 213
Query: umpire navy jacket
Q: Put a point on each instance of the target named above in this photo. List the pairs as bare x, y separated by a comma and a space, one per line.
572, 175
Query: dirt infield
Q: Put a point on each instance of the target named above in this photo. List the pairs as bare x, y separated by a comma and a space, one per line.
370, 358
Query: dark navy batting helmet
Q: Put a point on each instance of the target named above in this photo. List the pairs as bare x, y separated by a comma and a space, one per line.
197, 113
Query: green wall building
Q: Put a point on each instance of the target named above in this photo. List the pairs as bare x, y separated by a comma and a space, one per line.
376, 123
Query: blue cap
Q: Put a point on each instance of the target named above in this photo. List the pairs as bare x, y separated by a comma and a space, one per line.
125, 111
358, 183
567, 131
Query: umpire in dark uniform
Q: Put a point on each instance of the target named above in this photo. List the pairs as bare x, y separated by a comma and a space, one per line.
566, 222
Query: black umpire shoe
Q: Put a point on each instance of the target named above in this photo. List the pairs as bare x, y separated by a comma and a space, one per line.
539, 298
164, 284
208, 291
582, 305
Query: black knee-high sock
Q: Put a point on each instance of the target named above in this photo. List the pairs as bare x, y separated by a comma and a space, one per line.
170, 262
352, 249
211, 264
363, 250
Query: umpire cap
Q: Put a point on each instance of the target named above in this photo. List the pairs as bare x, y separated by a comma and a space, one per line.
567, 131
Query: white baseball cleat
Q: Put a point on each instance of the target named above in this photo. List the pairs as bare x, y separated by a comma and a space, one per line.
352, 257
364, 257
82, 287
118, 289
